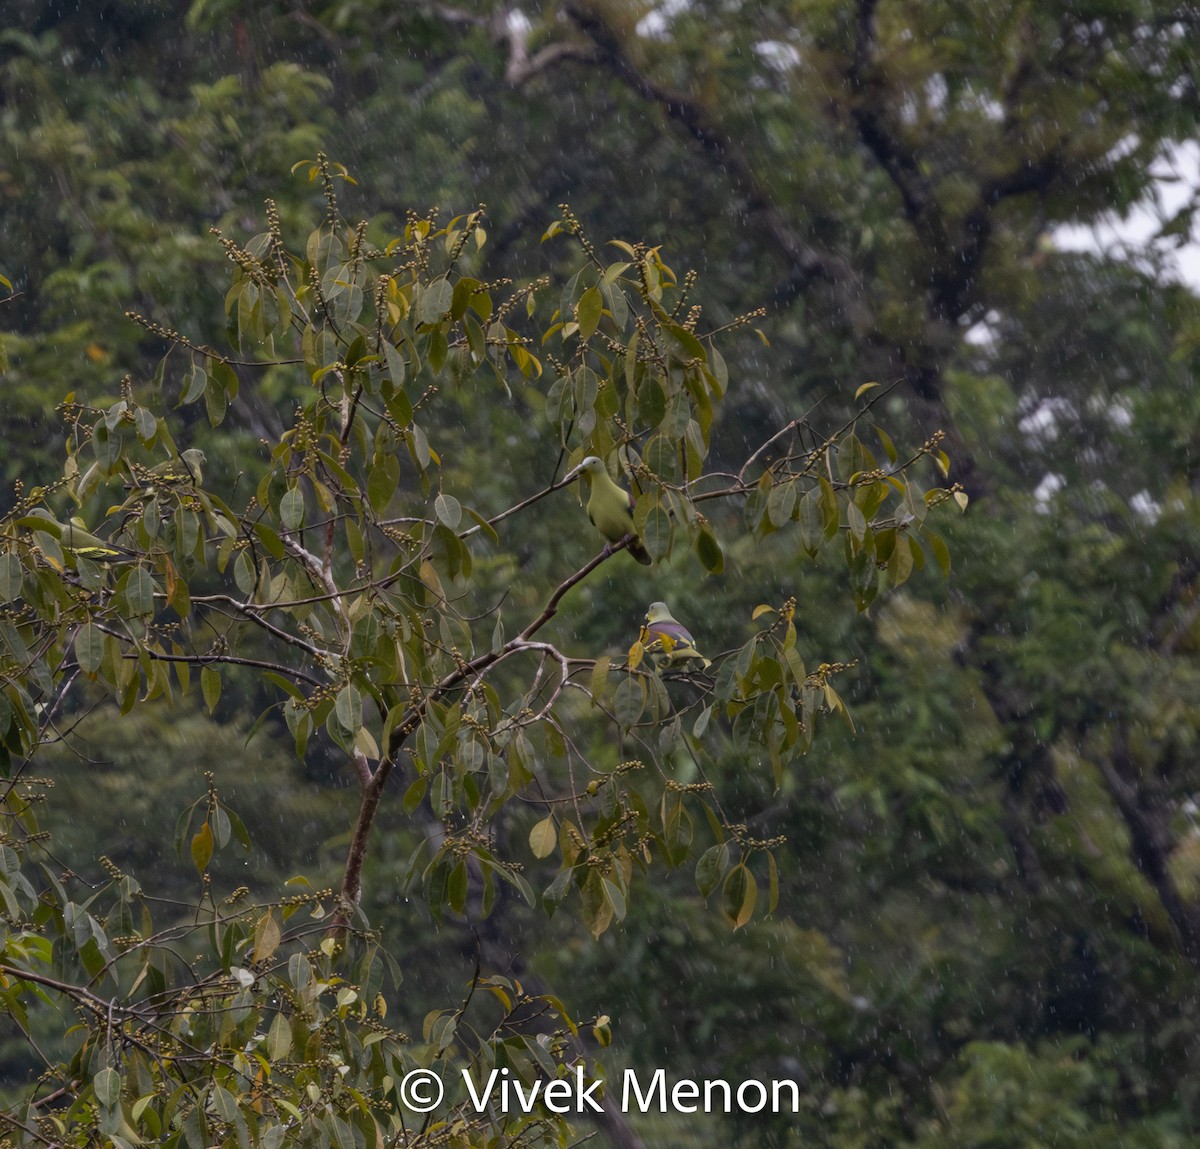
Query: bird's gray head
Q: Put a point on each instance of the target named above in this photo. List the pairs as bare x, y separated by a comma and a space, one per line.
657, 611
592, 465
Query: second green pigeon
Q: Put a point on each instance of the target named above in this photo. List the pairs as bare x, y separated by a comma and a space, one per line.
668, 642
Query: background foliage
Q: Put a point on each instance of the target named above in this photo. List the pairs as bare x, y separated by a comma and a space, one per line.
987, 930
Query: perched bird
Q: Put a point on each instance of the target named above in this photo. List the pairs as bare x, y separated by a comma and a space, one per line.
179, 473
669, 642
182, 470
74, 540
610, 507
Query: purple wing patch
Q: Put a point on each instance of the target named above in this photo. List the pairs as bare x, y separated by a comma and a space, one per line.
674, 631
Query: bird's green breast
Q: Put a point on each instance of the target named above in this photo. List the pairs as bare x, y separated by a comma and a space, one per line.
609, 511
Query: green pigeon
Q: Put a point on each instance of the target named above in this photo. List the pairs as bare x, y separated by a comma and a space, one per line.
185, 469
667, 641
74, 540
610, 507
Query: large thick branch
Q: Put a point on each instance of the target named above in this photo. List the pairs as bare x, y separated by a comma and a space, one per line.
1145, 813
955, 246
871, 114
809, 264
1150, 842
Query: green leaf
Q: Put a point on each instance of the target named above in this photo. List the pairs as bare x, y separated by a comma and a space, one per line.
888, 446
224, 1104
270, 540
599, 680
215, 402
194, 385
556, 892
830, 515
291, 508
349, 708
588, 312
89, 648
279, 1038
711, 867
245, 574
689, 344
709, 552
781, 503
629, 701
139, 591
656, 532
147, 425
856, 522
456, 887
382, 480
107, 1084
414, 794
436, 299
651, 401
11, 576
900, 564
396, 371
210, 687
941, 552
239, 828
449, 510
615, 899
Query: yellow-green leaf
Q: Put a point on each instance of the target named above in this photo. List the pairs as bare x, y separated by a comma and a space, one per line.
279, 1038
543, 838
599, 685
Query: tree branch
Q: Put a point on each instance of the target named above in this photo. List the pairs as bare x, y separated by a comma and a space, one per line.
372, 793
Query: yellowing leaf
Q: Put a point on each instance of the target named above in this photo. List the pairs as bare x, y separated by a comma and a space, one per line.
636, 653
202, 847
543, 838
739, 895
266, 936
